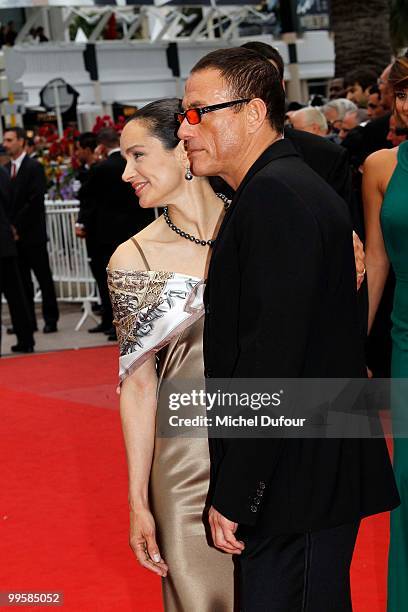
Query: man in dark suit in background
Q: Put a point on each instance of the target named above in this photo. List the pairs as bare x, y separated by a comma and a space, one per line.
280, 302
111, 214
10, 281
28, 221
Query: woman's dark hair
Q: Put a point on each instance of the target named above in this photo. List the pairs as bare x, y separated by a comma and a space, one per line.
248, 74
159, 119
398, 77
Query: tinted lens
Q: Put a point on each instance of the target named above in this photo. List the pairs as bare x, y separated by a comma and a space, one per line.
193, 116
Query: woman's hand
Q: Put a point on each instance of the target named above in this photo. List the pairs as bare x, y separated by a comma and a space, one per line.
142, 540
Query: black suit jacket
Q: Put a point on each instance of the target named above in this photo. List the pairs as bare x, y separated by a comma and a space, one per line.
110, 209
281, 302
364, 140
328, 160
27, 202
7, 244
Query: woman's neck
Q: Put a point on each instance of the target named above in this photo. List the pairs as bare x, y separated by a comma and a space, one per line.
196, 209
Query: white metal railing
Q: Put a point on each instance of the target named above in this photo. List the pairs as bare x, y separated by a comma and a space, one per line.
69, 260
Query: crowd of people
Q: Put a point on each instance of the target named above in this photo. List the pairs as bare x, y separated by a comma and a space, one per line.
254, 191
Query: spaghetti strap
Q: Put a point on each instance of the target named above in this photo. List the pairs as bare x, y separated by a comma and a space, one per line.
139, 248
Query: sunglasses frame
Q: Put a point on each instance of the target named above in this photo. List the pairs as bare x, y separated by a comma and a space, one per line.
207, 109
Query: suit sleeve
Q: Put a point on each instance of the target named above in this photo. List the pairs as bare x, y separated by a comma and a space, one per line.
281, 259
339, 176
5, 189
34, 202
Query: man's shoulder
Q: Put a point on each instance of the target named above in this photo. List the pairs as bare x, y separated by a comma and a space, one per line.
113, 164
379, 124
289, 182
114, 159
4, 175
32, 165
283, 181
29, 162
305, 142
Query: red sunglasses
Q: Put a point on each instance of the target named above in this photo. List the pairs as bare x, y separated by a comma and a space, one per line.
193, 115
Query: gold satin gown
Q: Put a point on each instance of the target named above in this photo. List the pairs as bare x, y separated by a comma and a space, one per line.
162, 313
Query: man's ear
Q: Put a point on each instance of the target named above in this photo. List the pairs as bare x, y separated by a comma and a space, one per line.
256, 114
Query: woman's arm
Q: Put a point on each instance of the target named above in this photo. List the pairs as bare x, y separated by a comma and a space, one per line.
138, 414
376, 260
138, 405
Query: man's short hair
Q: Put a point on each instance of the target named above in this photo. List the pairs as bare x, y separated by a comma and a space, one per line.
360, 113
87, 140
362, 76
374, 89
312, 114
341, 106
269, 52
249, 75
108, 137
19, 132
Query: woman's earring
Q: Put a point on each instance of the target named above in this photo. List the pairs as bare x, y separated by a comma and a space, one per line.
188, 176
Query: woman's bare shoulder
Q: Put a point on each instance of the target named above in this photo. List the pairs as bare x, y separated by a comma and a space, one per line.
382, 158
127, 256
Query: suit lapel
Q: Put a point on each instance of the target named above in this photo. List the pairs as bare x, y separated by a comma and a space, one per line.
17, 182
22, 170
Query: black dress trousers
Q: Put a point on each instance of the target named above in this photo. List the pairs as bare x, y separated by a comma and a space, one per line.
308, 572
35, 257
12, 288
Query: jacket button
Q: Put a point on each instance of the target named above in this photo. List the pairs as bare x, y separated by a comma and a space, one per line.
254, 509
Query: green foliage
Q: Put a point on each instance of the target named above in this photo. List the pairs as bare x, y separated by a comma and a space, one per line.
80, 22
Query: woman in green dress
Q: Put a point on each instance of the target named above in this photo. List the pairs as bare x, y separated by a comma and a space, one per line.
385, 189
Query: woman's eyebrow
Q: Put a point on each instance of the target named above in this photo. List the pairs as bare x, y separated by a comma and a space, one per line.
133, 146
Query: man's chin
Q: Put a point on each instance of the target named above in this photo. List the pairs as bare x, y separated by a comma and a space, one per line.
202, 169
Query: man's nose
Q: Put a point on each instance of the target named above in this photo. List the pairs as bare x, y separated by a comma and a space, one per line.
185, 130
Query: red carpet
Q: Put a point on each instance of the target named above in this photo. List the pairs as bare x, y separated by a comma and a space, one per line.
63, 504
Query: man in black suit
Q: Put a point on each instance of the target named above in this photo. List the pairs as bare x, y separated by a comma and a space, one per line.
331, 162
326, 158
10, 281
280, 302
110, 213
28, 220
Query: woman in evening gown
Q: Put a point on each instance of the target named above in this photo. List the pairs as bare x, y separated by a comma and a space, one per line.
385, 189
156, 286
